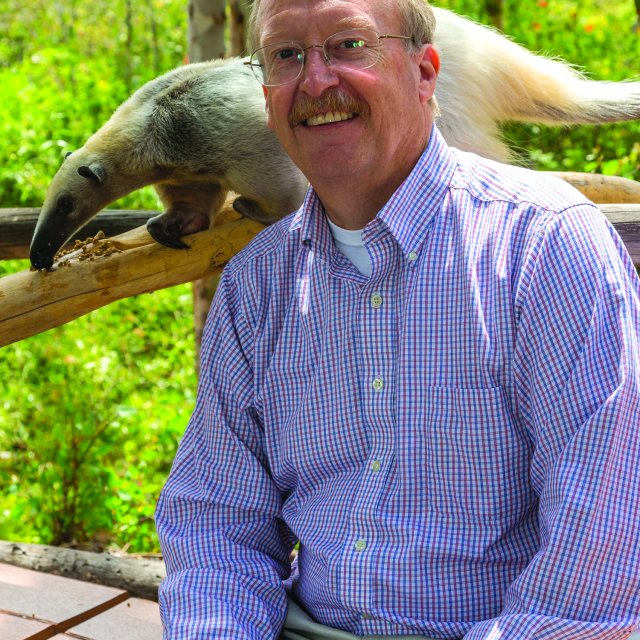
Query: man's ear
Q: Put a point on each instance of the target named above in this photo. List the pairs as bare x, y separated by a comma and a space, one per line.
429, 65
265, 92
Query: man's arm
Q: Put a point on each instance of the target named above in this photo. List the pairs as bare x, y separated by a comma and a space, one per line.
218, 516
577, 369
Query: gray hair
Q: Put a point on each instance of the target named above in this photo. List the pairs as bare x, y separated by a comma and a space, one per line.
418, 22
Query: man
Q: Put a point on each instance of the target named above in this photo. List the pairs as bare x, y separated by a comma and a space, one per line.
428, 377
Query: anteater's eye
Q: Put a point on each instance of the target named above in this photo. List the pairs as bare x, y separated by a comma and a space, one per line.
65, 204
66, 155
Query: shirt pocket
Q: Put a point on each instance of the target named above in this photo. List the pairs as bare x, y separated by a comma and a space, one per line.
477, 458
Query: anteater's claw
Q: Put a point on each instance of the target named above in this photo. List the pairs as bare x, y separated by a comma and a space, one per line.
165, 235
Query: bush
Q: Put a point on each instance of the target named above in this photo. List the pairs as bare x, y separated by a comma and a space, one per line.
90, 419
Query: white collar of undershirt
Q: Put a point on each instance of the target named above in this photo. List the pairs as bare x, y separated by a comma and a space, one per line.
350, 244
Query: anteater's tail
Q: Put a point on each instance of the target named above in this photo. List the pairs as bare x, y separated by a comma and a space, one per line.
487, 79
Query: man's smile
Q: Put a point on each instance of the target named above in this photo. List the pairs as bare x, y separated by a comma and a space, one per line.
333, 106
330, 117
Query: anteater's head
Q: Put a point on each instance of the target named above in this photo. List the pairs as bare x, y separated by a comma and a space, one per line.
77, 192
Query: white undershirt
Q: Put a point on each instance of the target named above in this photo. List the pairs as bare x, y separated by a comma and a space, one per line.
350, 244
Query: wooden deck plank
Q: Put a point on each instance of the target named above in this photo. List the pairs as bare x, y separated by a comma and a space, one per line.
15, 628
134, 619
62, 602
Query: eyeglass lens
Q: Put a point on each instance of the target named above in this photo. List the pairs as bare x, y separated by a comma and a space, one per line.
282, 62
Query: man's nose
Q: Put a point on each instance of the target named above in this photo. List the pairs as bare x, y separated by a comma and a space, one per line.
317, 74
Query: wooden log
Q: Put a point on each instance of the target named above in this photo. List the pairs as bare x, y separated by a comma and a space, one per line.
32, 302
140, 577
602, 189
35, 301
18, 224
626, 220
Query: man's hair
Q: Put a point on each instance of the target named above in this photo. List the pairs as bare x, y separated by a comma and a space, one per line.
418, 22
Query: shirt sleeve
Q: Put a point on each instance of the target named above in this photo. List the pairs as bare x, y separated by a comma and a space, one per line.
577, 379
219, 515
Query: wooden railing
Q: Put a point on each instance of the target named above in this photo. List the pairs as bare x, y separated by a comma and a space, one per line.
35, 301
32, 302
17, 227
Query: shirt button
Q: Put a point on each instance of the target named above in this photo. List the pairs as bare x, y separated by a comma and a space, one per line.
412, 256
360, 545
376, 465
376, 300
377, 384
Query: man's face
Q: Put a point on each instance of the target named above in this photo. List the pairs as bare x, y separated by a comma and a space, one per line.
387, 121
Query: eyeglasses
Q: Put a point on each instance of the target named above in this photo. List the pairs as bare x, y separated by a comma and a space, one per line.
282, 62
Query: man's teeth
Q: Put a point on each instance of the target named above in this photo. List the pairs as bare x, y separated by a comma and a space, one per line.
325, 118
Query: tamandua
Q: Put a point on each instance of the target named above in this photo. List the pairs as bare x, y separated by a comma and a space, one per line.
200, 130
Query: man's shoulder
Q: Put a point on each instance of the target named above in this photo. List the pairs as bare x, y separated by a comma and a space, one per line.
489, 181
512, 211
262, 273
272, 245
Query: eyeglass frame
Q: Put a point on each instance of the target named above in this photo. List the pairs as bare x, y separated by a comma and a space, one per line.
325, 56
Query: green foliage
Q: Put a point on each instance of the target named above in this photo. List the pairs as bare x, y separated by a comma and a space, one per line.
90, 419
64, 68
92, 412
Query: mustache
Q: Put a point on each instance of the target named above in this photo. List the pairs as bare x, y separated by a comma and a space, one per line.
306, 107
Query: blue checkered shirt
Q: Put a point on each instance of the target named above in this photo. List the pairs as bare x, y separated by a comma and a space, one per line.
454, 441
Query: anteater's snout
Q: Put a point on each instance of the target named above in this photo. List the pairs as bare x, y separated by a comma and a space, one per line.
41, 257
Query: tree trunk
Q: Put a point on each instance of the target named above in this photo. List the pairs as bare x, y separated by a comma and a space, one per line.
140, 577
495, 9
239, 16
206, 42
206, 29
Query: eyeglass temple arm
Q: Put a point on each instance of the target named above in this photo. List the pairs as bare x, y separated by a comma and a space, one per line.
399, 38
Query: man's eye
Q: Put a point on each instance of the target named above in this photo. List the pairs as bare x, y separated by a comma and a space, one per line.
352, 43
285, 54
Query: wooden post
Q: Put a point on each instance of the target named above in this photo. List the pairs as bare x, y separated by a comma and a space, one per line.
239, 16
206, 41
602, 189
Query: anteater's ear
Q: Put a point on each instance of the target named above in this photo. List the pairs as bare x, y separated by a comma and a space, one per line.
94, 171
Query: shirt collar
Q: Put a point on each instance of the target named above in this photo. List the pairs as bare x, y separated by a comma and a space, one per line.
311, 221
407, 215
410, 211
